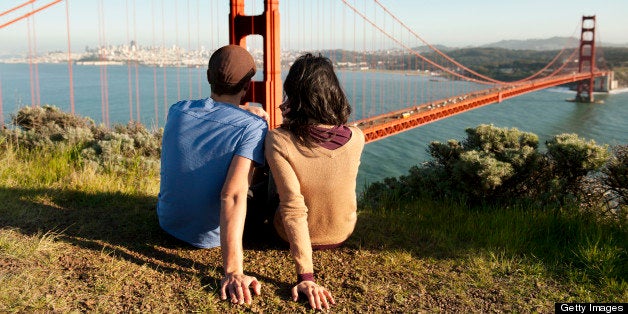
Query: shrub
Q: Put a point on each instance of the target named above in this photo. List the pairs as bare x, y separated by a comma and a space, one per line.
499, 165
48, 127
615, 179
571, 159
491, 163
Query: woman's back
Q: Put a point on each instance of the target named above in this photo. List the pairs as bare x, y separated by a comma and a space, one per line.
317, 182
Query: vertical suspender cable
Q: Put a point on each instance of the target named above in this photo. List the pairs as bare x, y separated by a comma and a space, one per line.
30, 61
101, 59
318, 34
189, 54
305, 26
344, 49
373, 96
343, 20
355, 61
383, 89
286, 26
136, 61
176, 32
104, 77
154, 62
70, 70
163, 52
398, 67
364, 58
36, 62
128, 63
198, 48
106, 73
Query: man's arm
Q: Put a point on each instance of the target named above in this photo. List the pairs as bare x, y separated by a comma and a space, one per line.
232, 215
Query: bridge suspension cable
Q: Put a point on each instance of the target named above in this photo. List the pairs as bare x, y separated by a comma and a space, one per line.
393, 38
483, 79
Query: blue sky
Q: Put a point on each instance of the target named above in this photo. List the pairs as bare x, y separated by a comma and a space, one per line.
311, 24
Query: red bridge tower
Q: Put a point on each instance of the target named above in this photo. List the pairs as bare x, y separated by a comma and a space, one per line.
586, 59
268, 92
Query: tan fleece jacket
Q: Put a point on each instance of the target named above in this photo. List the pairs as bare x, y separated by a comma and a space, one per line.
316, 189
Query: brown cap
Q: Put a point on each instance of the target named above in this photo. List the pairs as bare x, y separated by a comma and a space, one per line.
230, 65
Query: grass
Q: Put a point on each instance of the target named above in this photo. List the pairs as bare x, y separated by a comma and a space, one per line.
76, 238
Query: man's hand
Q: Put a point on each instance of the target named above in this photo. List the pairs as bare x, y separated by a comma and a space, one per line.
258, 111
236, 286
232, 216
318, 296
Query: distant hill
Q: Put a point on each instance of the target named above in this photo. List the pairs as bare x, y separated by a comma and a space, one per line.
553, 43
424, 49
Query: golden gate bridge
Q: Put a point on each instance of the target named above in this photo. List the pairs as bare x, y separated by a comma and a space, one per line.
380, 28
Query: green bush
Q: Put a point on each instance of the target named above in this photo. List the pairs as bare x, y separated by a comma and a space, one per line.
572, 158
110, 149
492, 163
499, 165
615, 179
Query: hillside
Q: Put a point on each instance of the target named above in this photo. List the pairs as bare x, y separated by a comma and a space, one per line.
79, 233
553, 43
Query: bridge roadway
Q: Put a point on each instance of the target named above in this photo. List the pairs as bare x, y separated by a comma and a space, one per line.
391, 123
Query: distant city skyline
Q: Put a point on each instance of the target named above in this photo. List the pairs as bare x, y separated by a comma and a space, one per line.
322, 24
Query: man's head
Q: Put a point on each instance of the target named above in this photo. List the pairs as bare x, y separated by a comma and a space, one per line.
230, 70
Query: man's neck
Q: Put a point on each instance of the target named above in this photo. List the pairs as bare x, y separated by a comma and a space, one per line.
229, 99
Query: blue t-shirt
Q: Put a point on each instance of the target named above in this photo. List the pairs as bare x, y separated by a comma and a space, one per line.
200, 139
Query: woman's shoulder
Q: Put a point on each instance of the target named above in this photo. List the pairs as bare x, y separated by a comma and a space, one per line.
278, 135
356, 130
357, 134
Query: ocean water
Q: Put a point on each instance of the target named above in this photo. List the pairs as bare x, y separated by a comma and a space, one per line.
545, 113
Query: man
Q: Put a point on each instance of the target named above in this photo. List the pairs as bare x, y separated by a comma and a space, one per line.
209, 150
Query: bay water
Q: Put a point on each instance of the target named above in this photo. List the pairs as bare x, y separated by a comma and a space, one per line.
545, 113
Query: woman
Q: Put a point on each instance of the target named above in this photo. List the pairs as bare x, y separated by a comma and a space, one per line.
314, 159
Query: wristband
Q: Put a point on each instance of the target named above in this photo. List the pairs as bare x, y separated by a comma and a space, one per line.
305, 277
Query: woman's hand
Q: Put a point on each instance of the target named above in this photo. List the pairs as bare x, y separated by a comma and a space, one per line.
318, 296
258, 111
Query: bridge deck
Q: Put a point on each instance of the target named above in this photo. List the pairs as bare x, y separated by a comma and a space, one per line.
382, 126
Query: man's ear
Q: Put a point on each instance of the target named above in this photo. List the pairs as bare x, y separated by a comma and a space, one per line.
245, 96
246, 86
208, 80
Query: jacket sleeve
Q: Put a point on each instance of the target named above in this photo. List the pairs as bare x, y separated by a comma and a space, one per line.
292, 209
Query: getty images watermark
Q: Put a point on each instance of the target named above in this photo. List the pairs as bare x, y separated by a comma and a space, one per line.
591, 308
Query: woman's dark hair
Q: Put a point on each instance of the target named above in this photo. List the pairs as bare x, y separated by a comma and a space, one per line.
314, 96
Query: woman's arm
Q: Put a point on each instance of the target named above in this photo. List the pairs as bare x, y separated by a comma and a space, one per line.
293, 213
292, 208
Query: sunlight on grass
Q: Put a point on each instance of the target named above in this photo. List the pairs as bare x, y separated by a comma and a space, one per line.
599, 259
14, 245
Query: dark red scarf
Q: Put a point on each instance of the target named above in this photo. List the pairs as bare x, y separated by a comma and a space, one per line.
330, 138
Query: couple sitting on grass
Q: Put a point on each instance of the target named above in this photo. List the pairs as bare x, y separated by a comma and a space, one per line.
212, 147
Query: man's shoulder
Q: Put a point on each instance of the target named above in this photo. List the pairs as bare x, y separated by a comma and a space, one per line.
238, 117
208, 109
